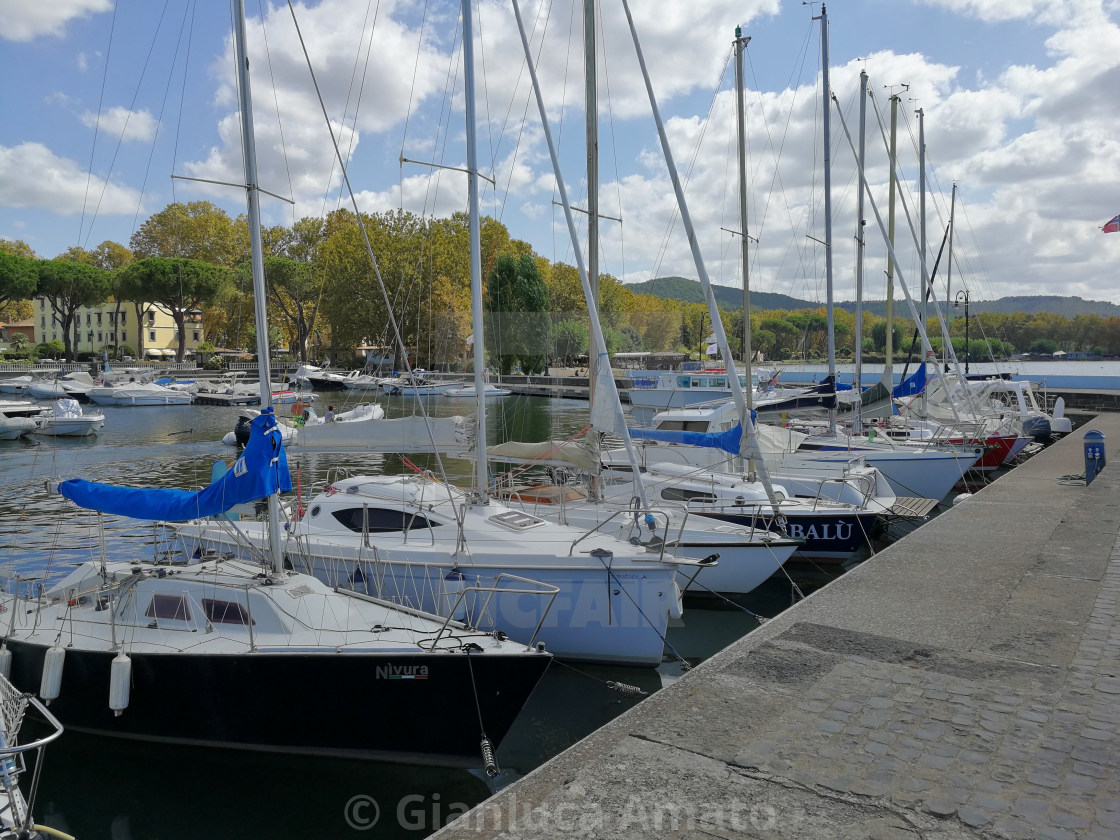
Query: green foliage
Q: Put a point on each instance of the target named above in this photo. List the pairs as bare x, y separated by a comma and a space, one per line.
570, 340
68, 286
1043, 345
197, 230
517, 314
126, 350
176, 285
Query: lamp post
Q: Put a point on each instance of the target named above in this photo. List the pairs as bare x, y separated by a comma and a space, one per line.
962, 300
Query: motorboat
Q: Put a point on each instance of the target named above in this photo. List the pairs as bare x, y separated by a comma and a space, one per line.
75, 385
66, 418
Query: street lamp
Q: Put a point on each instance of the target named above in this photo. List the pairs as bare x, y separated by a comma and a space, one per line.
962, 300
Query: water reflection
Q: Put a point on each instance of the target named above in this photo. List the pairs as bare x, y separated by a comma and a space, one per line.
107, 788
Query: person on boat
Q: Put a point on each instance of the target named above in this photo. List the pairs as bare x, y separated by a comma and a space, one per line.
329, 416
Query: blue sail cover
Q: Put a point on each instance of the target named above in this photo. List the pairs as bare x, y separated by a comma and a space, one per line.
911, 385
728, 441
261, 471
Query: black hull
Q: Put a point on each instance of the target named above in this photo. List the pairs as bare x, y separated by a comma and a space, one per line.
320, 704
836, 538
317, 384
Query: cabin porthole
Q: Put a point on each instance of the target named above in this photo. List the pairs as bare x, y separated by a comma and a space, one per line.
315, 510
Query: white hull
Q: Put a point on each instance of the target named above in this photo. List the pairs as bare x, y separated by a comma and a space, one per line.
140, 396
614, 599
14, 427
70, 426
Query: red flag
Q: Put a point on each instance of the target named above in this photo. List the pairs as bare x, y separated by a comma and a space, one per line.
1112, 226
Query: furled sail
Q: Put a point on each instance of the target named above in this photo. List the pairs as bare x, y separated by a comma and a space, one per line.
261, 471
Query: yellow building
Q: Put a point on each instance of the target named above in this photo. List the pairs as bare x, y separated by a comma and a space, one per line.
103, 328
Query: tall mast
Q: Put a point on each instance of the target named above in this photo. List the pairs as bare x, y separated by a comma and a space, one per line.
826, 117
481, 475
949, 277
922, 232
750, 434
860, 242
591, 125
887, 369
741, 114
606, 412
256, 250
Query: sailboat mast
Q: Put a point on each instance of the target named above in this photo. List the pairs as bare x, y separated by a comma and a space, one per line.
922, 234
860, 243
750, 434
606, 413
591, 124
826, 125
888, 368
256, 250
949, 279
741, 115
482, 475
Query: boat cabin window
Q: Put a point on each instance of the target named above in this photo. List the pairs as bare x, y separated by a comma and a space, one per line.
683, 425
679, 494
172, 607
225, 612
381, 520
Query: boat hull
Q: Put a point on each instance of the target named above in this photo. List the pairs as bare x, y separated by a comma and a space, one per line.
833, 537
399, 708
617, 616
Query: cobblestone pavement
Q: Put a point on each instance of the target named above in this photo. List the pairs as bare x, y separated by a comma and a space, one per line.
963, 684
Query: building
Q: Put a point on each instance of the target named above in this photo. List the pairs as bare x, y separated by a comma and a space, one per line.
103, 328
12, 329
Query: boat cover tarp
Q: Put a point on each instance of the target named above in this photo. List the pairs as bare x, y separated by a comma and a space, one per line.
727, 440
911, 385
260, 471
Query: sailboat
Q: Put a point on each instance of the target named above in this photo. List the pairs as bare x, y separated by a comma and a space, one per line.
244, 653
420, 542
745, 557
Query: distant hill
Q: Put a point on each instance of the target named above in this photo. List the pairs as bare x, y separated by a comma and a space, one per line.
684, 289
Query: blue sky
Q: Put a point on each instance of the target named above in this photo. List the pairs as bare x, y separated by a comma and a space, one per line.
1019, 96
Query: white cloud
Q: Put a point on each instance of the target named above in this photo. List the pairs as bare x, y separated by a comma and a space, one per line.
118, 122
33, 176
21, 20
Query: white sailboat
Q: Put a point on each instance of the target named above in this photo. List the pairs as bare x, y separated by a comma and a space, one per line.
746, 556
185, 652
418, 541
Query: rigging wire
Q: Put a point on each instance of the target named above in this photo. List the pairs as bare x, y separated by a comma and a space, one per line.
97, 123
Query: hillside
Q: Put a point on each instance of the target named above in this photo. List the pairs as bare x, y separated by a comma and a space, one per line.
684, 289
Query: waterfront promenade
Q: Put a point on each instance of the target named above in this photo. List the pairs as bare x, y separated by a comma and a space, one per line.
963, 683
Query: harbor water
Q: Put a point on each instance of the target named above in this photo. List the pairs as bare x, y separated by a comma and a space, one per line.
96, 787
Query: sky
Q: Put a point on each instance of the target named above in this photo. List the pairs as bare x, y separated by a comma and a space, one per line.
102, 103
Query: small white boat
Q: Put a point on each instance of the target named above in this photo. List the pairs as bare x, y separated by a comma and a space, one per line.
75, 385
138, 393
14, 427
16, 384
466, 391
65, 418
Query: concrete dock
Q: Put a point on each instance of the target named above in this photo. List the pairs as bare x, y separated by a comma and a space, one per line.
963, 683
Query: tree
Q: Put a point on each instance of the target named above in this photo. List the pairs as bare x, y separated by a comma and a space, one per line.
569, 340
68, 286
175, 285
294, 289
517, 314
19, 276
197, 230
